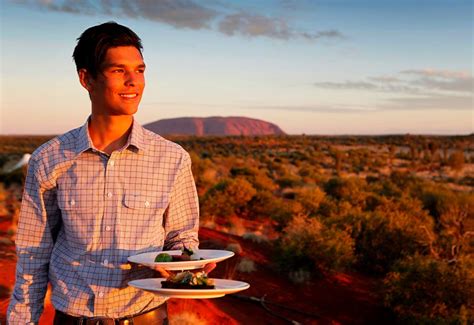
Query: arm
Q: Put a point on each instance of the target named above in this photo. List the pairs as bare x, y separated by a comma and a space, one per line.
39, 219
181, 219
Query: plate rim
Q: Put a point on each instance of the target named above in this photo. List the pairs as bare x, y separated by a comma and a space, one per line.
192, 292
181, 265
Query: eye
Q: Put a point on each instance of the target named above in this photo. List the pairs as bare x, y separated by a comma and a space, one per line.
141, 70
117, 70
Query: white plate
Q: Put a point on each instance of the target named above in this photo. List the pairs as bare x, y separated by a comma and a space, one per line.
222, 287
209, 255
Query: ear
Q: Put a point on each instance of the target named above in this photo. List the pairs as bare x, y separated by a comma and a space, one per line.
85, 79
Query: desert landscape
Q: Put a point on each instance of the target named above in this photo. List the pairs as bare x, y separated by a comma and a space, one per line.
327, 230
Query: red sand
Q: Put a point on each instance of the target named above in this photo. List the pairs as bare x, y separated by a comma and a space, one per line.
347, 298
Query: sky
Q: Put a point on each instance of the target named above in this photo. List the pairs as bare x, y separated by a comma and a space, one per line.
309, 66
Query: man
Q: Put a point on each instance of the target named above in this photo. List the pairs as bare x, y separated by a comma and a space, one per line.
100, 193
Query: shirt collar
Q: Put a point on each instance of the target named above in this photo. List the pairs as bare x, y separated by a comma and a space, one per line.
137, 136
135, 139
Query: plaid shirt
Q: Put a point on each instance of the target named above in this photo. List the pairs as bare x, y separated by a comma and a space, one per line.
84, 212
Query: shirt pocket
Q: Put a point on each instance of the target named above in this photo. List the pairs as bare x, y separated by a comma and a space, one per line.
81, 216
68, 201
138, 201
142, 219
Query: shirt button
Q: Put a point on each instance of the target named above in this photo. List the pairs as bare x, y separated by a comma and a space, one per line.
101, 294
109, 194
111, 163
147, 204
107, 228
106, 262
73, 202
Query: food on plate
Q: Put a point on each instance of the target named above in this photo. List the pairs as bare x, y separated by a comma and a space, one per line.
186, 255
163, 257
188, 280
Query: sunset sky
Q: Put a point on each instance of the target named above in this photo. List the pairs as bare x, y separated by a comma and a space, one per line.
314, 67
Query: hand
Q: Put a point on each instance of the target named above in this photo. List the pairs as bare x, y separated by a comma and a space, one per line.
206, 269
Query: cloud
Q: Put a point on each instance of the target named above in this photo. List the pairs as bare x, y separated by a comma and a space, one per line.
344, 109
359, 85
438, 102
447, 74
459, 81
191, 14
385, 79
384, 86
433, 102
432, 89
332, 33
177, 13
254, 25
427, 81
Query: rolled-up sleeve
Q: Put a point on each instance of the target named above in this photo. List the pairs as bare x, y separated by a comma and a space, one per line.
38, 224
181, 220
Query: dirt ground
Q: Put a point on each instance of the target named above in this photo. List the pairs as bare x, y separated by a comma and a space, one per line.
347, 298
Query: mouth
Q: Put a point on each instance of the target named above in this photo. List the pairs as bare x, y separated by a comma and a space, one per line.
129, 95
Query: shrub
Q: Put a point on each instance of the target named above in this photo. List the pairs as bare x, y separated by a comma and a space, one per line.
288, 181
351, 190
299, 276
256, 238
452, 213
246, 266
228, 197
234, 247
308, 245
394, 230
421, 289
456, 160
261, 205
310, 199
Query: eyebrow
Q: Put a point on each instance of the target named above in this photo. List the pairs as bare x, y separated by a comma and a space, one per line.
118, 65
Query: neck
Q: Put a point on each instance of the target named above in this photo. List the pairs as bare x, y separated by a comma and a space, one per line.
109, 133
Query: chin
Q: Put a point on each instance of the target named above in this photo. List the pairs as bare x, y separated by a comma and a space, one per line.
125, 111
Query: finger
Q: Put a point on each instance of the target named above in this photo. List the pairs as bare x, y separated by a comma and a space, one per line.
162, 271
209, 267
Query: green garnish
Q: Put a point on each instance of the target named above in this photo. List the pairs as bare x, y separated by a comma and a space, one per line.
163, 257
187, 251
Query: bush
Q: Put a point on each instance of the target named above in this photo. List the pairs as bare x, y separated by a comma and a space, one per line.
351, 190
228, 197
452, 213
308, 245
246, 266
456, 160
422, 289
255, 238
394, 230
265, 204
261, 205
310, 199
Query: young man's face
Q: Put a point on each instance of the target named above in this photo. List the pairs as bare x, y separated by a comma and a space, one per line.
118, 87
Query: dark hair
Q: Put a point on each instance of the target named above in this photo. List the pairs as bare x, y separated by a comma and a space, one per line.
94, 42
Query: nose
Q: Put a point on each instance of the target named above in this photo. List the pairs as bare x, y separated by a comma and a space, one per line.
132, 78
